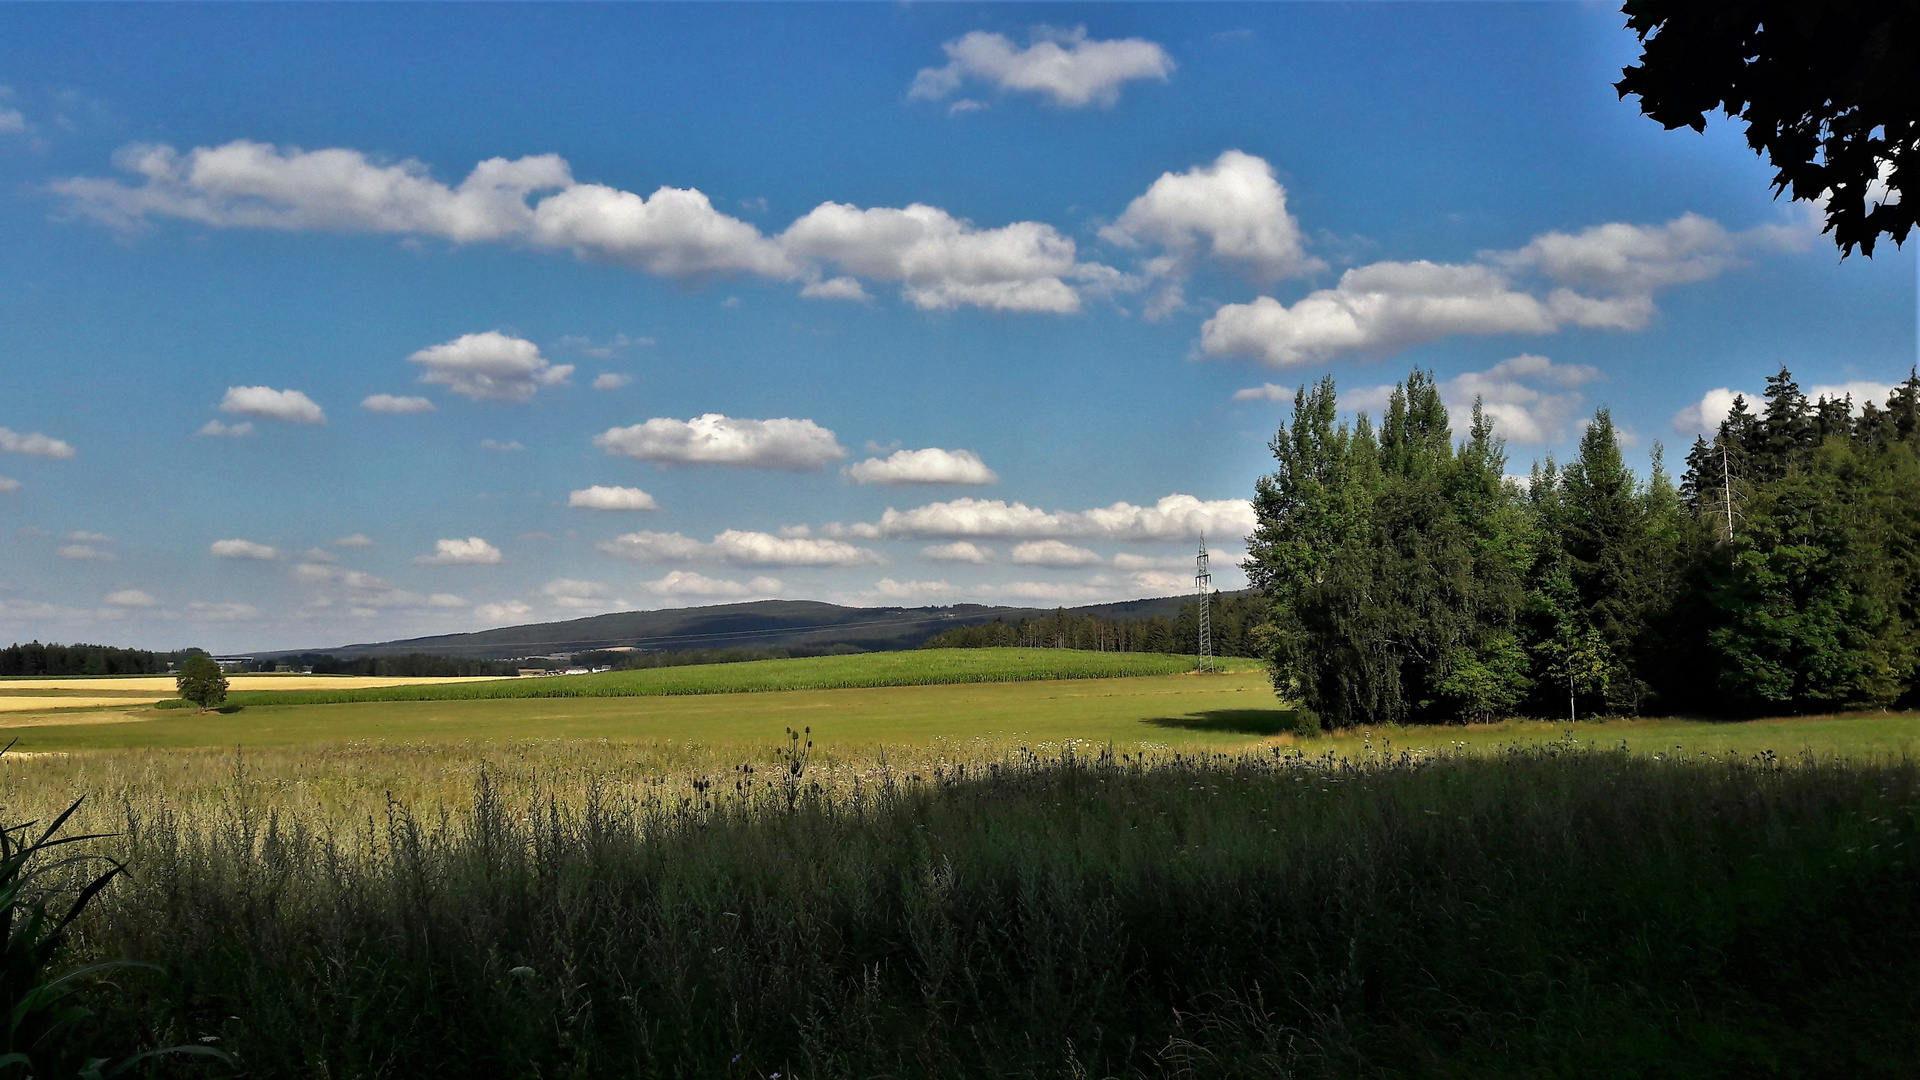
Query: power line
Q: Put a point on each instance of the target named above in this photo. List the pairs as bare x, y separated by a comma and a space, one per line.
1203, 584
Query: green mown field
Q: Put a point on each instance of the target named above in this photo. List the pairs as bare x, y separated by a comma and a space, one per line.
921, 667
999, 697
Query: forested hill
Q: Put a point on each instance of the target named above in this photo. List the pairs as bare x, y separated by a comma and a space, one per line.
798, 625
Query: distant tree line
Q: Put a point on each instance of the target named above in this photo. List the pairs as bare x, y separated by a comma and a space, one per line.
34, 658
624, 661
413, 665
1405, 578
1233, 618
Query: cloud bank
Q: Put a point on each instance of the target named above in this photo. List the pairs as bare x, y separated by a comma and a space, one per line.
1175, 517
1387, 306
940, 261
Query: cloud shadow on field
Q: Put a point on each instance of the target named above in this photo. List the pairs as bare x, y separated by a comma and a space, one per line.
1236, 722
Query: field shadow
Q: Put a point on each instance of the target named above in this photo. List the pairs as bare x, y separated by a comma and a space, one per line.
1236, 722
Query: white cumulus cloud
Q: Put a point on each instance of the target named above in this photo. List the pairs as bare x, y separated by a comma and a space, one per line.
739, 548
930, 466
938, 260
1264, 392
248, 184
1066, 66
714, 439
1232, 210
364, 591
686, 583
578, 595
611, 498
490, 366
1632, 259
266, 403
85, 552
1053, 592
1053, 553
840, 288
242, 549
131, 598
1160, 582
943, 262
648, 546
743, 548
33, 444
214, 429
391, 403
1384, 306
1530, 399
504, 612
675, 232
1604, 277
889, 591
8, 483
357, 540
473, 551
221, 612
611, 380
960, 551
1175, 517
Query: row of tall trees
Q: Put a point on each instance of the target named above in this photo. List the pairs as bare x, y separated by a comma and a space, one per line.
33, 658
1232, 618
1407, 579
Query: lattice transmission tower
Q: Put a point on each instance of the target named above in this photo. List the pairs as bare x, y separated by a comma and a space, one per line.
1203, 584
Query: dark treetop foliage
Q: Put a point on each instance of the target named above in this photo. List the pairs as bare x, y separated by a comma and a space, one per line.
1830, 91
1407, 580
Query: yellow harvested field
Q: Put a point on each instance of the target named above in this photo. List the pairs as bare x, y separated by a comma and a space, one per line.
10, 703
154, 688
45, 712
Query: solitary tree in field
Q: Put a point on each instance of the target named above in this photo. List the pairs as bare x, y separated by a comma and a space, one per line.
202, 682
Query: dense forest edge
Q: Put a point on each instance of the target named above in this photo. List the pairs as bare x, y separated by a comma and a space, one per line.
1233, 619
33, 658
1408, 579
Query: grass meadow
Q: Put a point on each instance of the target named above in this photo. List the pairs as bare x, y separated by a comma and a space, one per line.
1152, 876
922, 667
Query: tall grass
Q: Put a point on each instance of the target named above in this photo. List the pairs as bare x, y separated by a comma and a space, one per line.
927, 667
1558, 912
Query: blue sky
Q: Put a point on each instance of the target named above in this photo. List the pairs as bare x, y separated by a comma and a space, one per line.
873, 304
